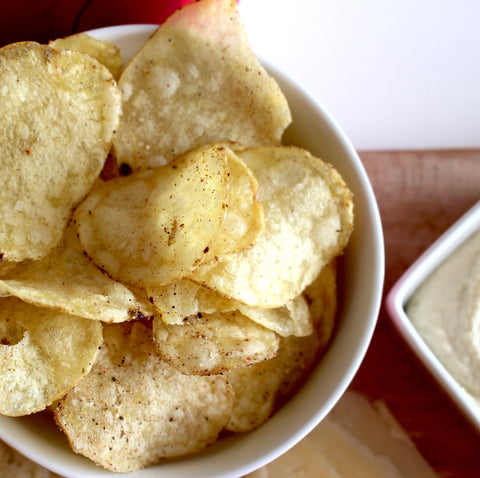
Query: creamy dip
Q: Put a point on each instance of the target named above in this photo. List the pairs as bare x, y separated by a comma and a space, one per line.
445, 310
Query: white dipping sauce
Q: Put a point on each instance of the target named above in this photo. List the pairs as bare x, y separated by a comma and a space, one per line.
445, 310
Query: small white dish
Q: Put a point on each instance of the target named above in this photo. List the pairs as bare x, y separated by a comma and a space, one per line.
408, 284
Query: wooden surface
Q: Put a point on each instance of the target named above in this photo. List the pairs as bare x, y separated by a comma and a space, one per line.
419, 195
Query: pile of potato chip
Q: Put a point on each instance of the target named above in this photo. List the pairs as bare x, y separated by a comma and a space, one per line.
168, 268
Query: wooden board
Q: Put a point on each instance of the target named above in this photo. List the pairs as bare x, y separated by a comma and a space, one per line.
420, 195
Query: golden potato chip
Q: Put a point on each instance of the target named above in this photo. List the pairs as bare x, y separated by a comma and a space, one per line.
293, 318
106, 53
156, 226
214, 343
43, 353
260, 389
68, 281
264, 387
133, 409
197, 81
183, 299
243, 222
6, 267
255, 390
321, 296
59, 111
308, 213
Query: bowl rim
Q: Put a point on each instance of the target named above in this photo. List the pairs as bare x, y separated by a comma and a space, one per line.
224, 465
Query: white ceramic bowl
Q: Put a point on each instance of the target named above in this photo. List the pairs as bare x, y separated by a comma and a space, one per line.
406, 286
314, 129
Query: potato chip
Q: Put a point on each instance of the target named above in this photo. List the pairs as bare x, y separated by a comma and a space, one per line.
321, 296
264, 387
184, 299
133, 409
68, 281
197, 81
308, 213
156, 226
255, 390
260, 389
106, 53
214, 343
243, 222
293, 318
6, 267
59, 111
43, 353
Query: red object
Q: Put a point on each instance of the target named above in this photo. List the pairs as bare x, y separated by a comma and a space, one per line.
44, 20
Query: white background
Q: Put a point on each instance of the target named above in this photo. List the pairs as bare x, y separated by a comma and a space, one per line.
395, 74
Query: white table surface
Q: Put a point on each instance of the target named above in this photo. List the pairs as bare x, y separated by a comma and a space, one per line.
394, 74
